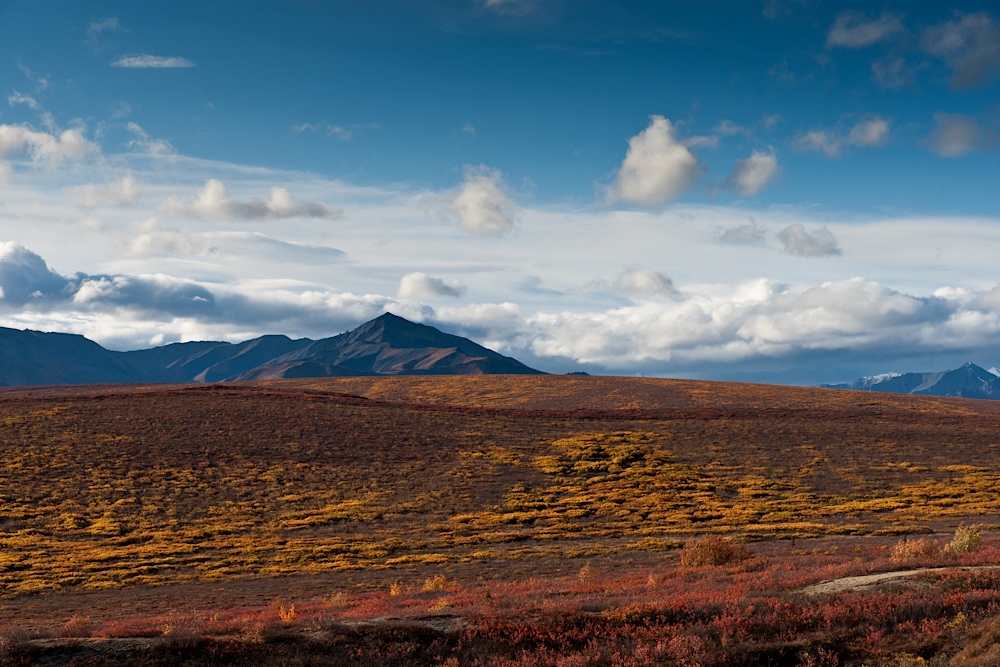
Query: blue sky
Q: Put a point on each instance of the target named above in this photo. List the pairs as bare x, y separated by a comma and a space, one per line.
787, 190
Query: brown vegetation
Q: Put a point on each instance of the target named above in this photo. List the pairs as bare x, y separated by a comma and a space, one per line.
406, 486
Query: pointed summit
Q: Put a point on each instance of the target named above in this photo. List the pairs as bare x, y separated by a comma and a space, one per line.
390, 345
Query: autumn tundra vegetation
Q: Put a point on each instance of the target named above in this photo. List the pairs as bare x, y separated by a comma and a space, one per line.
497, 520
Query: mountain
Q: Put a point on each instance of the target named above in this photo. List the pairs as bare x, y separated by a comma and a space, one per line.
387, 345
969, 381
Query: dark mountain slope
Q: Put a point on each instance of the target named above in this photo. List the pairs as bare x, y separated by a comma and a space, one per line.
34, 357
392, 345
387, 345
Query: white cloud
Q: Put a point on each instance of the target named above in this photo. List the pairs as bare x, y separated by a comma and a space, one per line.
819, 141
25, 277
657, 167
753, 173
42, 147
640, 280
729, 128
419, 285
956, 135
146, 61
855, 30
970, 44
122, 192
27, 100
870, 131
818, 243
481, 204
702, 142
213, 201
142, 142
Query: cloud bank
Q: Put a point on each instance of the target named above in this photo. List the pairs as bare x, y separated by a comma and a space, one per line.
213, 201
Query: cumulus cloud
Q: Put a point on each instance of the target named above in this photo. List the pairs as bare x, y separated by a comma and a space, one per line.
146, 61
753, 173
743, 234
970, 44
142, 142
855, 30
213, 201
481, 205
818, 243
42, 147
956, 135
25, 277
419, 285
870, 131
818, 141
123, 192
657, 167
640, 280
752, 321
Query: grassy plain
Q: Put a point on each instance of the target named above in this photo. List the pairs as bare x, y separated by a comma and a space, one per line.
346, 496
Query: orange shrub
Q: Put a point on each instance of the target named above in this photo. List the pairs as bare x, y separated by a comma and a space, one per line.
712, 550
909, 551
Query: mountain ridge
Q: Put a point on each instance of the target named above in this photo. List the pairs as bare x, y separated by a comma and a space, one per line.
967, 381
386, 345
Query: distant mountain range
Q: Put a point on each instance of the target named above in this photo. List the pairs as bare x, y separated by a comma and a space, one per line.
969, 381
387, 345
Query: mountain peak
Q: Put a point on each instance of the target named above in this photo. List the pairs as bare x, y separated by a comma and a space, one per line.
967, 381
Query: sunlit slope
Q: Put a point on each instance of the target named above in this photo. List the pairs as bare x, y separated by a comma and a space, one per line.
107, 487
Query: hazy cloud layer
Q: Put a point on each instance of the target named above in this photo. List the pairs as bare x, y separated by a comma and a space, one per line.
856, 30
123, 192
482, 206
213, 201
657, 167
797, 240
742, 322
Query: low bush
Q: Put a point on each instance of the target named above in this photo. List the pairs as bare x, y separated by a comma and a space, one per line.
967, 539
911, 551
712, 550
